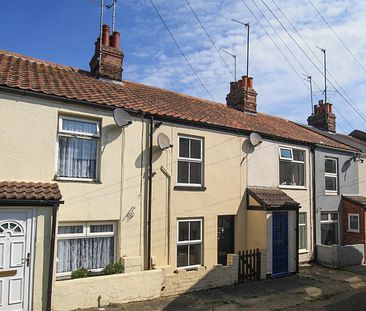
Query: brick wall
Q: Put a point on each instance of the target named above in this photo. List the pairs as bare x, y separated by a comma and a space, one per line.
350, 238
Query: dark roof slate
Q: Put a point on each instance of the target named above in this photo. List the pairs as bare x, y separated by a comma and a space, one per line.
357, 199
271, 197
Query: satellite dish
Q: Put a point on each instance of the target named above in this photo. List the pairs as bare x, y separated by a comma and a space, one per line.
121, 117
255, 139
164, 141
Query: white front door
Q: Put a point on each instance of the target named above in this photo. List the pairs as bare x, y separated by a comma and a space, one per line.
15, 254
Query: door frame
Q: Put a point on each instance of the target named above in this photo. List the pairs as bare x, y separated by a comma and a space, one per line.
32, 240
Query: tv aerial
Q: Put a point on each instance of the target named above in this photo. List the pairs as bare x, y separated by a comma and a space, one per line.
164, 141
121, 117
255, 139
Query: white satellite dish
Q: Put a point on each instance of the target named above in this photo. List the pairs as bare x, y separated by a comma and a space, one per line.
164, 141
121, 117
255, 139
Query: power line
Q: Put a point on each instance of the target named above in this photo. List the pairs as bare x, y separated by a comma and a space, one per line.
209, 37
176, 43
307, 56
339, 38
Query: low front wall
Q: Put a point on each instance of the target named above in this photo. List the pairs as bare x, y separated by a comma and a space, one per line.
183, 281
117, 288
341, 256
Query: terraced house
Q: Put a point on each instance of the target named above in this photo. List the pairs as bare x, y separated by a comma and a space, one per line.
173, 192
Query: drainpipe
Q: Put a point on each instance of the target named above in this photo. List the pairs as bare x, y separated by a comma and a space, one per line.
150, 174
314, 204
297, 240
169, 177
52, 258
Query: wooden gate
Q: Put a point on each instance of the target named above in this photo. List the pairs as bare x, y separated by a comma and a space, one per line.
249, 265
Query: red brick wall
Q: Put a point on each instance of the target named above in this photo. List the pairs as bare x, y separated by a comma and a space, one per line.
353, 237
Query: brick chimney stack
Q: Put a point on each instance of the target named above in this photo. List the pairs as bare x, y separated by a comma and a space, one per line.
238, 99
323, 117
111, 56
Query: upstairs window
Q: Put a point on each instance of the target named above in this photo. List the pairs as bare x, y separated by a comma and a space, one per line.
331, 175
78, 148
190, 161
292, 167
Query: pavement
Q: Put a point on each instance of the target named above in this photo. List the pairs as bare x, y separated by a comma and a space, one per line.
314, 288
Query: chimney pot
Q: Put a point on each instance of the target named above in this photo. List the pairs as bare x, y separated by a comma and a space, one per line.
323, 117
250, 82
105, 35
242, 96
115, 42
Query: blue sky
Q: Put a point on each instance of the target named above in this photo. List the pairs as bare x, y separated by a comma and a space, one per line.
65, 31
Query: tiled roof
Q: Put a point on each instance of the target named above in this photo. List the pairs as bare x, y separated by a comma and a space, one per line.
21, 72
357, 199
271, 197
12, 190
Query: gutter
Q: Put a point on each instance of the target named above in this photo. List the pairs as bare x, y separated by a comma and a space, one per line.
30, 202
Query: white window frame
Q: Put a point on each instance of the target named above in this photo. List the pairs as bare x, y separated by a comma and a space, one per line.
293, 161
81, 135
333, 175
358, 223
190, 160
190, 242
87, 234
329, 221
304, 250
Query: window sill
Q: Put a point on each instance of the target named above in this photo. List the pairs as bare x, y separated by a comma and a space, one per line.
189, 188
331, 193
77, 180
303, 251
353, 231
292, 187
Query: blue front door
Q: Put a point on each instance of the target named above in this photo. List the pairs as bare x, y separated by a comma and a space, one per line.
279, 244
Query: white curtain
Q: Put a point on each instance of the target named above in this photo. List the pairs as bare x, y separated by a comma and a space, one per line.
88, 253
79, 126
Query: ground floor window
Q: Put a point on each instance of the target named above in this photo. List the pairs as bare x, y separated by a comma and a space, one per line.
85, 245
302, 232
189, 242
329, 228
354, 222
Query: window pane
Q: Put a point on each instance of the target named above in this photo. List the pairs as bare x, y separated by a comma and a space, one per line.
292, 174
79, 126
302, 218
183, 231
70, 229
182, 255
353, 222
324, 216
195, 173
89, 253
184, 147
77, 157
334, 216
183, 172
330, 183
286, 153
302, 237
299, 155
331, 166
194, 254
101, 228
329, 233
195, 149
195, 232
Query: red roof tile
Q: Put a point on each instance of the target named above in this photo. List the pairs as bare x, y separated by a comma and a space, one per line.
29, 191
21, 72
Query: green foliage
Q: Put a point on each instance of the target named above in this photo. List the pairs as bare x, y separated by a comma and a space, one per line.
114, 268
81, 273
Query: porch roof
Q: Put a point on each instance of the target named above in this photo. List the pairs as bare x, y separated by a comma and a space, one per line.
272, 198
357, 199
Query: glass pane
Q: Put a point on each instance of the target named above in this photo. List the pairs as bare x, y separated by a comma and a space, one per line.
195, 254
184, 147
302, 218
299, 155
77, 157
286, 153
329, 233
324, 216
182, 255
302, 237
195, 149
195, 230
330, 183
89, 253
70, 229
292, 174
79, 126
353, 223
183, 231
101, 228
195, 173
183, 172
334, 216
331, 166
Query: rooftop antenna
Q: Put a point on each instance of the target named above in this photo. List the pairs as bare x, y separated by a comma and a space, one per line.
109, 6
310, 80
234, 57
247, 69
100, 32
325, 73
